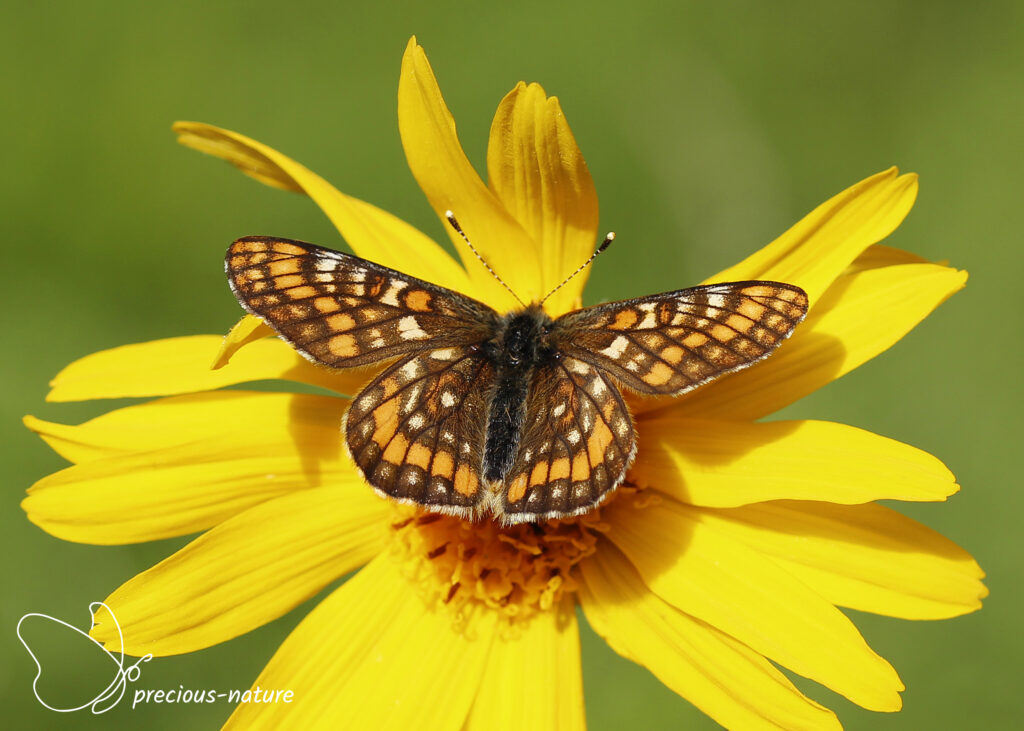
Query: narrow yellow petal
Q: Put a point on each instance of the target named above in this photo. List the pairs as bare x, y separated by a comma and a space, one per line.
450, 183
247, 330
246, 571
728, 681
234, 417
537, 171
175, 490
863, 314
182, 365
865, 557
372, 233
533, 680
715, 578
815, 251
730, 463
373, 656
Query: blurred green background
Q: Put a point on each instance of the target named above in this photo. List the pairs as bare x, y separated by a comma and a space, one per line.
708, 127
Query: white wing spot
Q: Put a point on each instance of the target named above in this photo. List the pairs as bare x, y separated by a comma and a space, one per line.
409, 329
448, 399
716, 300
617, 348
411, 369
443, 354
391, 296
557, 411
416, 421
573, 437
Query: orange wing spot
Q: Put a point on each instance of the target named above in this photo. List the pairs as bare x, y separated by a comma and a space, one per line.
751, 309
466, 482
560, 469
283, 248
672, 354
238, 261
739, 323
598, 442
343, 346
517, 489
419, 455
326, 304
418, 300
659, 375
443, 466
289, 280
695, 339
301, 293
385, 422
340, 322
580, 467
624, 319
283, 266
759, 290
390, 386
396, 449
722, 333
540, 474
250, 246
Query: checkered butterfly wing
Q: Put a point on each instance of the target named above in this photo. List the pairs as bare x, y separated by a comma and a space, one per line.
577, 442
578, 439
342, 311
415, 431
674, 342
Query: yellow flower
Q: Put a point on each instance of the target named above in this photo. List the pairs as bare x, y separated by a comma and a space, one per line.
729, 548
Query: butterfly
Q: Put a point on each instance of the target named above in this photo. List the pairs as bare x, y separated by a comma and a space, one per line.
518, 415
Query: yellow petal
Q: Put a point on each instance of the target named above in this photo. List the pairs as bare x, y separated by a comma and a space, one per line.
182, 365
537, 171
861, 315
145, 496
728, 681
239, 417
713, 577
815, 251
373, 656
450, 183
730, 463
865, 557
372, 233
247, 330
246, 571
533, 679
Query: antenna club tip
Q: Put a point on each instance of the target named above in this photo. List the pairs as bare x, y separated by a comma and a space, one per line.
449, 214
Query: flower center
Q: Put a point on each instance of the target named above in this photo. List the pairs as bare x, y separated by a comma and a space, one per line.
517, 570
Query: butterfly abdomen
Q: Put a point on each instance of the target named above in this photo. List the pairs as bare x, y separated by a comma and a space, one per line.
515, 352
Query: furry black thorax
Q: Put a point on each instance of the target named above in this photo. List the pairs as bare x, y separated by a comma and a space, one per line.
517, 350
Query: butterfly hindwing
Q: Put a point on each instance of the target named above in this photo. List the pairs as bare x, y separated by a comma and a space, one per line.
416, 431
671, 343
577, 442
343, 311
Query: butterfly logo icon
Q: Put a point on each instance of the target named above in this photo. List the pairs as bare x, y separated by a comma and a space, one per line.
111, 695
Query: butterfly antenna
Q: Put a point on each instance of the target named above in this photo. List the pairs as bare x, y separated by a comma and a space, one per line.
604, 245
455, 225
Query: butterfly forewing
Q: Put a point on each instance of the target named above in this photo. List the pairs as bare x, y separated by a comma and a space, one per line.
577, 443
343, 311
416, 430
671, 343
